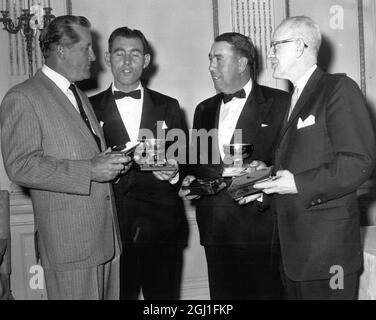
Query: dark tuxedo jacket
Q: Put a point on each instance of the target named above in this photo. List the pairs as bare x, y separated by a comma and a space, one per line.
221, 220
330, 157
148, 209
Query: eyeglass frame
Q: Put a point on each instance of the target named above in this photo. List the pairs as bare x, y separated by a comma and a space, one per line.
275, 43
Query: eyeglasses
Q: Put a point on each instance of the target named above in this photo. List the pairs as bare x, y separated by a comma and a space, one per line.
273, 44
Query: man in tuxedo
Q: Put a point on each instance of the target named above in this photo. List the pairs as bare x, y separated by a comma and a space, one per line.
51, 144
151, 214
326, 150
238, 239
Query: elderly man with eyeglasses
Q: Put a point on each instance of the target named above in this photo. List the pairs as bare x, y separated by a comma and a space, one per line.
326, 150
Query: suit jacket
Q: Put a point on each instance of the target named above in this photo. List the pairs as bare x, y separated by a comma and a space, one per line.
5, 265
221, 220
149, 209
47, 148
330, 157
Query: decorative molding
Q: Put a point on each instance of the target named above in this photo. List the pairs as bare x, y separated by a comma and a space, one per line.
68, 4
215, 18
362, 51
195, 288
17, 48
255, 19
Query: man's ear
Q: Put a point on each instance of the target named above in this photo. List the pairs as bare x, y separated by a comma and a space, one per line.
107, 58
147, 58
300, 48
243, 62
60, 51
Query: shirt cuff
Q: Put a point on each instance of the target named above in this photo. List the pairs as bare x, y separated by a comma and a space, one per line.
175, 179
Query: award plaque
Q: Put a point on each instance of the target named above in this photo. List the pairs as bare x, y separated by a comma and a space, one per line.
205, 187
235, 154
126, 149
153, 157
242, 186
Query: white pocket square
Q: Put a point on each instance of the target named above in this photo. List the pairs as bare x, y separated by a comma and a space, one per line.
264, 125
164, 125
101, 123
310, 121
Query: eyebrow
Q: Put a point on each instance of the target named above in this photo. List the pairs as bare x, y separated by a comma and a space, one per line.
215, 55
132, 50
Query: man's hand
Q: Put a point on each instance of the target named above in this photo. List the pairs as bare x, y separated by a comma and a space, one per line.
106, 167
3, 247
168, 175
254, 165
183, 192
283, 183
245, 200
257, 165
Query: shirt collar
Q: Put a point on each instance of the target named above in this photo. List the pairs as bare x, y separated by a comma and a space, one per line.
139, 87
301, 83
248, 88
62, 82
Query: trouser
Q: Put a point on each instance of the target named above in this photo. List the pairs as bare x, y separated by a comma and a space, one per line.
96, 283
154, 268
242, 273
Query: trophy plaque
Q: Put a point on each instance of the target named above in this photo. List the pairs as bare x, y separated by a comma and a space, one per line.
242, 186
205, 187
235, 154
153, 156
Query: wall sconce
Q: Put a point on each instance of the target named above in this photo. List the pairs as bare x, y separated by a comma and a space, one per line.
33, 17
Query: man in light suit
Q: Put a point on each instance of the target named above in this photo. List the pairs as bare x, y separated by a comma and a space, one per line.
151, 214
5, 263
238, 239
51, 144
326, 150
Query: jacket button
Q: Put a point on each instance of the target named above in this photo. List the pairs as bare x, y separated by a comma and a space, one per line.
108, 198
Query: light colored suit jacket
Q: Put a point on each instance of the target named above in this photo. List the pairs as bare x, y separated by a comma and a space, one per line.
47, 148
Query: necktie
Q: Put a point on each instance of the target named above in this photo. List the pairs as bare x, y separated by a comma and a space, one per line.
73, 88
238, 94
294, 99
133, 94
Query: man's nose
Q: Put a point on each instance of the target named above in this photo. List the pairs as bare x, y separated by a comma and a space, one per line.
270, 53
212, 65
92, 56
127, 59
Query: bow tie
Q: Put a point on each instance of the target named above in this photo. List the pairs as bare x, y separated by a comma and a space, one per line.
238, 94
133, 94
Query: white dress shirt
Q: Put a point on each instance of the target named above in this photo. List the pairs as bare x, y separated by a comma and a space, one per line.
301, 83
229, 116
130, 110
62, 83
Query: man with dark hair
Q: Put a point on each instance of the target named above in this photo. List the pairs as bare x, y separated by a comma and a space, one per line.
51, 144
238, 239
326, 150
151, 214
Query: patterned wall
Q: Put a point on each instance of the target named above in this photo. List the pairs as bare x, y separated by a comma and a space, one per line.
19, 65
257, 20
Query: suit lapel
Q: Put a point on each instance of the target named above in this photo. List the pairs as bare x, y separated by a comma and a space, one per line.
212, 122
118, 133
93, 120
255, 110
74, 118
307, 93
149, 116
